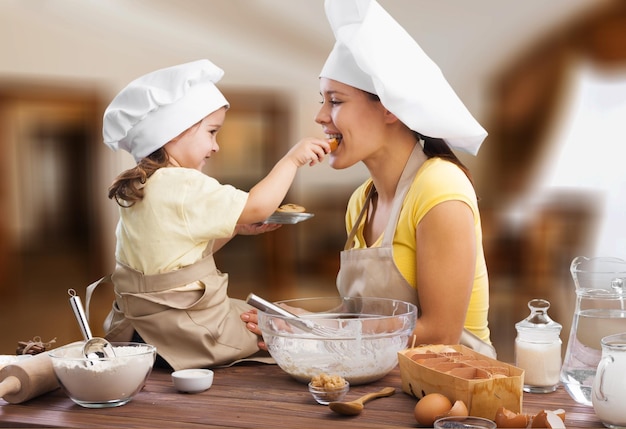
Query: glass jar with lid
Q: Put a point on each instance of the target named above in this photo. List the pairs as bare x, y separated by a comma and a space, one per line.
538, 348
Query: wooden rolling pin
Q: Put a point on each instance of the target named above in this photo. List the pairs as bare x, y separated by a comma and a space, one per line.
27, 378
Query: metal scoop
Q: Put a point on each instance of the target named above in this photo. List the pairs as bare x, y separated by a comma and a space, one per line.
302, 323
94, 348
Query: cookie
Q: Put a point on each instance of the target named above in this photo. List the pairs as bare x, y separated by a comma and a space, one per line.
290, 208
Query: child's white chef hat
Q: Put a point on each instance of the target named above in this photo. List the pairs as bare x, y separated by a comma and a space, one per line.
374, 53
154, 108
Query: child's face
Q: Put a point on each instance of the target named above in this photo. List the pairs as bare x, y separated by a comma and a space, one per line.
193, 147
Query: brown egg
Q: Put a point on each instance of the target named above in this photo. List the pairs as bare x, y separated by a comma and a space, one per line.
430, 407
509, 419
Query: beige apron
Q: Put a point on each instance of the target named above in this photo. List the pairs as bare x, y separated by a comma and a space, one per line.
373, 272
191, 329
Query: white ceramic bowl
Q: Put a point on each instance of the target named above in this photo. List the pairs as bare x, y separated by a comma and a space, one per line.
365, 337
106, 382
192, 380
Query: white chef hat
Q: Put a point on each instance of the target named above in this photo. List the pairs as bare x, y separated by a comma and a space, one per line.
156, 107
374, 53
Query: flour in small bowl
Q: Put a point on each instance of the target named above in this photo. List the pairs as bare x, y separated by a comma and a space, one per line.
102, 380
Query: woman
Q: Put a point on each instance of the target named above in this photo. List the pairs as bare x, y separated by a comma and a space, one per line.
414, 230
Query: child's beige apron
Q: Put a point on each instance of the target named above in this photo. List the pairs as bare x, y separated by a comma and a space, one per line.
373, 272
191, 329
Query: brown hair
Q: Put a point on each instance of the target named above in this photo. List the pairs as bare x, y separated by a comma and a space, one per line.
127, 188
436, 147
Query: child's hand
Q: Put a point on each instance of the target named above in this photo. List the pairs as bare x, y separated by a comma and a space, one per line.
256, 228
309, 150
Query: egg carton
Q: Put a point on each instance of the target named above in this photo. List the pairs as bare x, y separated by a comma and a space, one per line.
458, 372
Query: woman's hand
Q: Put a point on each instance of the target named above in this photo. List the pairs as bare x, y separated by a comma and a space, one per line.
251, 319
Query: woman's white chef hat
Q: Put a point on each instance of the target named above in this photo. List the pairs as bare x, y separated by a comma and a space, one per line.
374, 53
154, 108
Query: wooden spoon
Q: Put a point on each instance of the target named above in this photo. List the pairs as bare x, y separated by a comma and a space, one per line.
353, 408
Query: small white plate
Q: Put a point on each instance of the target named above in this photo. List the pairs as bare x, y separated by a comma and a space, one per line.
288, 218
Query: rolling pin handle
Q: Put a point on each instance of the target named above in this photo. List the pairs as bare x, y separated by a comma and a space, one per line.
10, 385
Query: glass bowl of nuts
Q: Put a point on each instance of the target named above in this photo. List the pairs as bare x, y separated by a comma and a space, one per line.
328, 388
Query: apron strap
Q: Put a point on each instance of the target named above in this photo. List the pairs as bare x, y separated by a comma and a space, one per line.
408, 174
90, 290
355, 227
404, 184
172, 279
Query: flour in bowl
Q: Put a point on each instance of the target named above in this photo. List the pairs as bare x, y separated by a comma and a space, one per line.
103, 380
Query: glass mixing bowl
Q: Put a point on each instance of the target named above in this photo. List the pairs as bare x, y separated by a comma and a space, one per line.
106, 382
356, 338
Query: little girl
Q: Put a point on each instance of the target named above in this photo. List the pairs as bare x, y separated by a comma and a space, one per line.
168, 291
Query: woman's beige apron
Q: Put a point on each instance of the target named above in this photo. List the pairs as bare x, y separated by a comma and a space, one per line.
191, 329
373, 272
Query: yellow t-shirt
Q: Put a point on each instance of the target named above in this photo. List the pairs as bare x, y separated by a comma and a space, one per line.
436, 181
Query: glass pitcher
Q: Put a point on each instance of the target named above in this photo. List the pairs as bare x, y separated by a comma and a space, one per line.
600, 311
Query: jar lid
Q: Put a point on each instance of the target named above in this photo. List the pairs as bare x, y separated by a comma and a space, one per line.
538, 322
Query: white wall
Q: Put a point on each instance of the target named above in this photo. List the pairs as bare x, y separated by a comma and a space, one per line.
260, 43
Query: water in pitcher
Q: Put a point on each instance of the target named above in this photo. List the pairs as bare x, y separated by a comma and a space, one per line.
585, 351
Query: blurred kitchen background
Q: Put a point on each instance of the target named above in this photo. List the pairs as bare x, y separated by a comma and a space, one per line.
547, 79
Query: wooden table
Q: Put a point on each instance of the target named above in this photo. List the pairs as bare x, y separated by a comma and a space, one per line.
250, 396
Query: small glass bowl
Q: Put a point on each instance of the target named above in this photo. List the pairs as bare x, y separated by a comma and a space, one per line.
324, 396
462, 422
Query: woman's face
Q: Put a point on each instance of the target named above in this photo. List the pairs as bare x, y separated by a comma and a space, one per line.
354, 118
193, 147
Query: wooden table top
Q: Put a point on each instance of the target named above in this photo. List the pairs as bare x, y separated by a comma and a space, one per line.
250, 396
